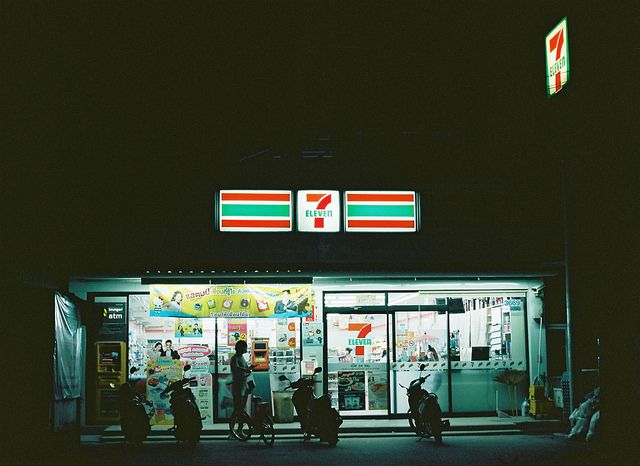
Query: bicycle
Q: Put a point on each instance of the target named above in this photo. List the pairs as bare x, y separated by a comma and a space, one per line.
242, 426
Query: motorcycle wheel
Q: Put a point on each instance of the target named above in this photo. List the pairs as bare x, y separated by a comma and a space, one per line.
268, 434
434, 419
239, 428
420, 430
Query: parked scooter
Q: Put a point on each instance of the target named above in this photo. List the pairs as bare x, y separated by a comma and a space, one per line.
425, 415
317, 417
135, 412
186, 415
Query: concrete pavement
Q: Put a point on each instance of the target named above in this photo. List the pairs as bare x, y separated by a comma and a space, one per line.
353, 449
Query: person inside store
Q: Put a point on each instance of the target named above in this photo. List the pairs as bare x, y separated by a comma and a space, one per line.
169, 351
348, 357
432, 354
242, 383
284, 304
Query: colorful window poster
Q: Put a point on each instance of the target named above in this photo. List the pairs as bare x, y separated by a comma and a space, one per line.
203, 394
351, 390
285, 334
161, 372
236, 330
312, 334
230, 301
188, 328
377, 387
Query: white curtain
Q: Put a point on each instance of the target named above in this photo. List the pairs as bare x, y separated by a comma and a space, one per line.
479, 327
68, 360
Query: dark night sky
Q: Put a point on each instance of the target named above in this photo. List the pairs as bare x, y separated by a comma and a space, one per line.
125, 118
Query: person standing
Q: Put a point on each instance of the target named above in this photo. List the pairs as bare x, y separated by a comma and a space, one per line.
432, 354
242, 381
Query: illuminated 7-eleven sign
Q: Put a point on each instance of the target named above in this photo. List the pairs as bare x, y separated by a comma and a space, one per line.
557, 53
318, 211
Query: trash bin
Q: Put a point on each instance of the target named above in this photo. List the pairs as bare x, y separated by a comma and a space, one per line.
282, 406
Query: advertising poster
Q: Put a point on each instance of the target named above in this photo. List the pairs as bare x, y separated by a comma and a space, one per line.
161, 372
230, 301
351, 390
188, 328
285, 334
236, 330
312, 333
204, 396
377, 388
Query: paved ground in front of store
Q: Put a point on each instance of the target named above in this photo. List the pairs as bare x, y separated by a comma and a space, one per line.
459, 426
374, 449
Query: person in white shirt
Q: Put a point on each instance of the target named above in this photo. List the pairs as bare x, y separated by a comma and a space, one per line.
242, 380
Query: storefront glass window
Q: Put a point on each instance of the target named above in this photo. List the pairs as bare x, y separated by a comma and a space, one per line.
421, 338
273, 346
357, 352
487, 337
160, 346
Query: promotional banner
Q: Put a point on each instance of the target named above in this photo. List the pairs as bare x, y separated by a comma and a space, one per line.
351, 391
236, 330
230, 301
285, 334
186, 328
312, 333
161, 372
377, 389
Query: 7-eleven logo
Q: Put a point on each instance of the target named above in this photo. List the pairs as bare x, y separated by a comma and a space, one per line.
318, 211
557, 51
360, 341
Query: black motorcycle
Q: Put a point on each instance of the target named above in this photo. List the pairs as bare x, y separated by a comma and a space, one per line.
425, 415
186, 415
317, 417
135, 412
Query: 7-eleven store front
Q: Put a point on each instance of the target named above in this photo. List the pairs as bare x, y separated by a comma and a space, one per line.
369, 334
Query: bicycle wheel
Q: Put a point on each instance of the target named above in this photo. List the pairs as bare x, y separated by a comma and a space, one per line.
240, 427
268, 434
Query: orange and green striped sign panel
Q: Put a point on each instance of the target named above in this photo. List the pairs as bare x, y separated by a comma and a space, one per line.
252, 210
380, 211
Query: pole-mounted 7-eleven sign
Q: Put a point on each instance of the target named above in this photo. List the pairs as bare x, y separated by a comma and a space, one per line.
557, 53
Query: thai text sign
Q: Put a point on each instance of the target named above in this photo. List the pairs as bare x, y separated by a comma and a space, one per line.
230, 301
